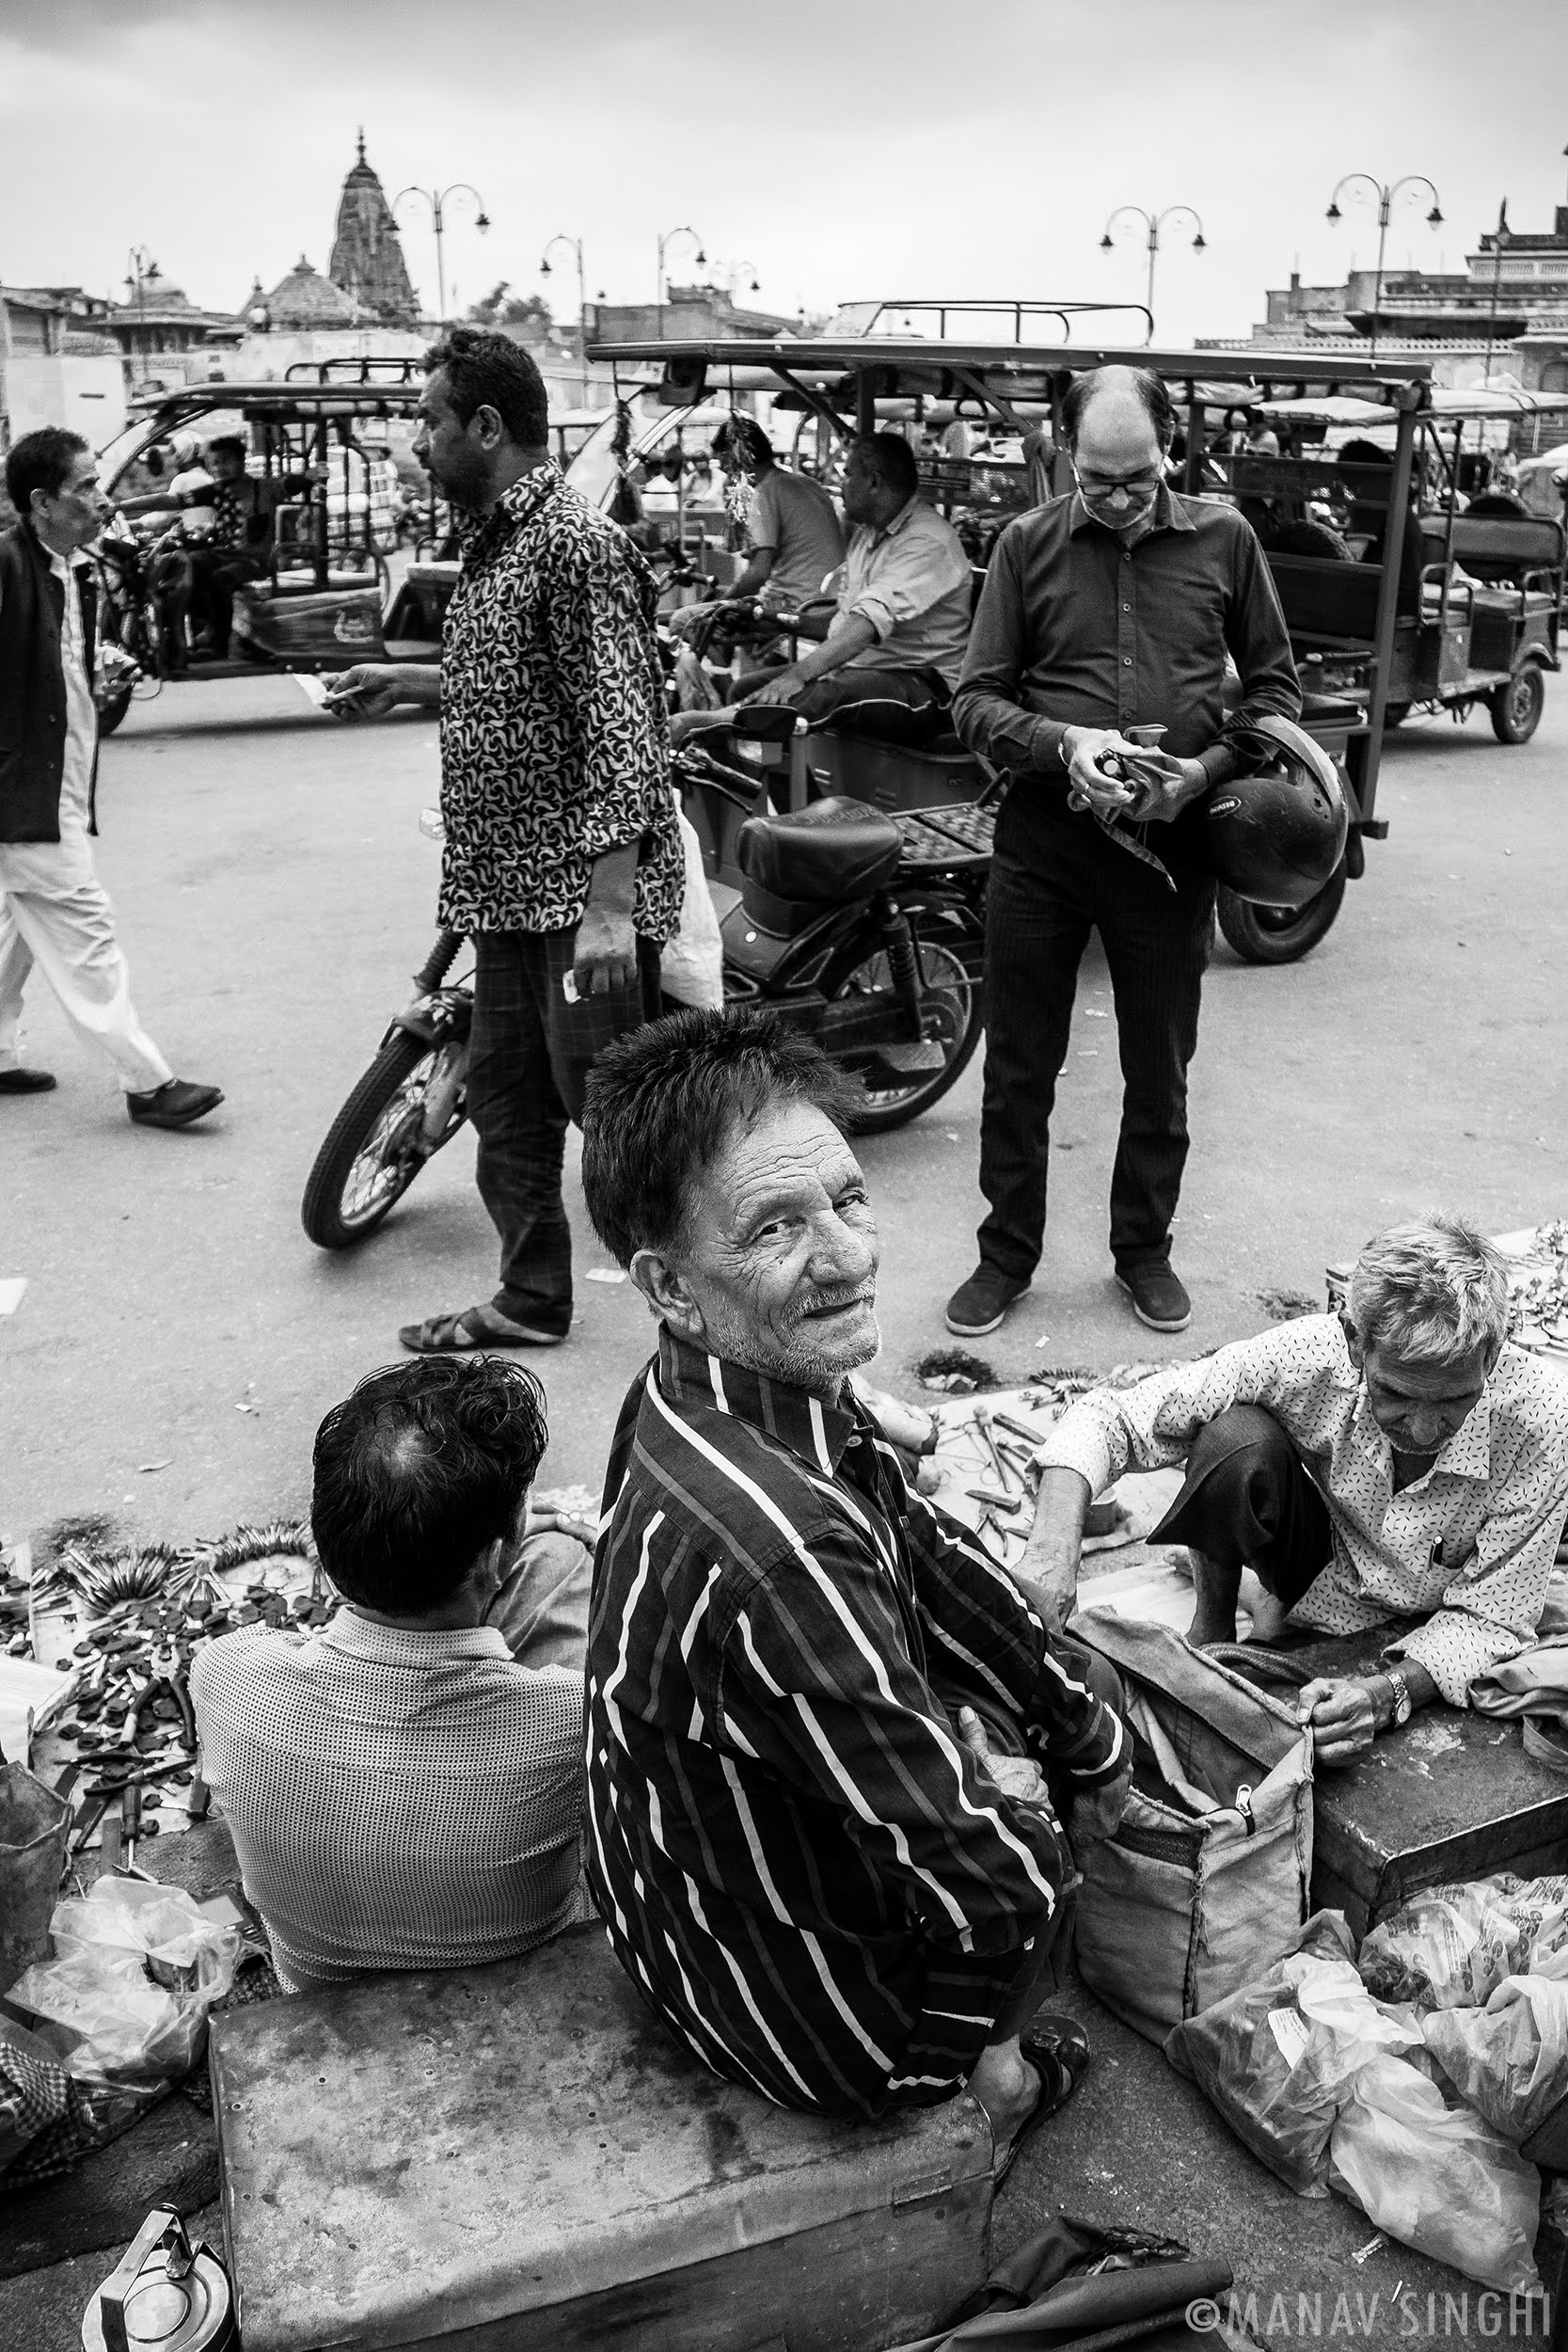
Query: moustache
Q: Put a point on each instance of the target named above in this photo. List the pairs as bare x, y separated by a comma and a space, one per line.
827, 1302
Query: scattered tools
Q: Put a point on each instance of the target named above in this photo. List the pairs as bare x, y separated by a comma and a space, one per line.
995, 1502
1033, 1439
982, 1422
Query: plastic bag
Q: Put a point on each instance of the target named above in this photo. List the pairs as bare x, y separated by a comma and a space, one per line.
1510, 2059
1278, 2058
1451, 1946
136, 1968
1436, 2177
691, 961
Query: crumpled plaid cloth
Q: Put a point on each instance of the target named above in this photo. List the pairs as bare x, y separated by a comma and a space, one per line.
49, 2121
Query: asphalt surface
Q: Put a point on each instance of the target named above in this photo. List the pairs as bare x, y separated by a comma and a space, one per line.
273, 894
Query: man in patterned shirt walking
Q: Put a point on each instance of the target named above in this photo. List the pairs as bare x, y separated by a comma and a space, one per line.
562, 856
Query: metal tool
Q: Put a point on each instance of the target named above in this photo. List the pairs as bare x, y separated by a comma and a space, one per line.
982, 1422
165, 2296
1033, 1439
130, 1812
994, 1501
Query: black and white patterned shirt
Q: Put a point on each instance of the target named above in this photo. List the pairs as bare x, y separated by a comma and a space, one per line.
1469, 1546
554, 739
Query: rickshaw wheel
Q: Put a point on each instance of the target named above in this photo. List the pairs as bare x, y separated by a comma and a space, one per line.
1396, 714
112, 711
1516, 708
1280, 934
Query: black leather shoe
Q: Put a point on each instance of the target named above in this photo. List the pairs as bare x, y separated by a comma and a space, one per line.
979, 1305
26, 1081
1158, 1298
176, 1104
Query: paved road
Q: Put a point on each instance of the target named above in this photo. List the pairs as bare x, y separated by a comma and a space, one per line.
273, 894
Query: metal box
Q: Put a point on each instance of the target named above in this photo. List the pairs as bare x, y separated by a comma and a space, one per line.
520, 2156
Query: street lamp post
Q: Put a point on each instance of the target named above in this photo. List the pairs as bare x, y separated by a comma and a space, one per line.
1386, 199
1153, 223
668, 238
574, 245
143, 272
436, 200
1504, 236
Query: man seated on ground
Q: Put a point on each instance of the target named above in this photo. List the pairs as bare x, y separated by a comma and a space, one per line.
836, 1761
896, 645
405, 1785
1397, 1464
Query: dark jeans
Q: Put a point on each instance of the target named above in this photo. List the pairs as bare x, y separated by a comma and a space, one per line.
1247, 1502
528, 1057
1054, 879
898, 706
216, 573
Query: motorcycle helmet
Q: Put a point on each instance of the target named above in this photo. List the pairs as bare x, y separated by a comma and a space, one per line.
1278, 830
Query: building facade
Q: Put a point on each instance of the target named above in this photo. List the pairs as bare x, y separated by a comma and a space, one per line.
60, 364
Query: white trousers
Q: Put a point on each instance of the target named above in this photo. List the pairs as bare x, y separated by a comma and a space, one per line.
54, 912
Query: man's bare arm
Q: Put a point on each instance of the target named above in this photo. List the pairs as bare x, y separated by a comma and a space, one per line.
1049, 1563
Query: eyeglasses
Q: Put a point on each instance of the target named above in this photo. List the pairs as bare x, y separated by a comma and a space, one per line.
1102, 485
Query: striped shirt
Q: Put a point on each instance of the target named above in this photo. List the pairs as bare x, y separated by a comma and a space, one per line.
396, 1800
803, 1871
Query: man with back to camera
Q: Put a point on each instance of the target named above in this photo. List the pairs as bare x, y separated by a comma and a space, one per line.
1398, 1463
837, 1766
53, 909
1112, 608
895, 644
563, 858
405, 1785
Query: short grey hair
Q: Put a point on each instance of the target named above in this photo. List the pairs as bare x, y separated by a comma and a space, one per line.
1431, 1292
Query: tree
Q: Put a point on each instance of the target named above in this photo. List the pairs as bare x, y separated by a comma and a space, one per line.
521, 310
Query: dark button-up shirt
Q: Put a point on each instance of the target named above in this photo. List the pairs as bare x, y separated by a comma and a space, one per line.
803, 1869
1076, 629
554, 740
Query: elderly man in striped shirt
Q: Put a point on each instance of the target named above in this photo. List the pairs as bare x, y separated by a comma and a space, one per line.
835, 1760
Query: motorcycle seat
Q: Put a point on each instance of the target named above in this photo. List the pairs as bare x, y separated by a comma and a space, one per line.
833, 849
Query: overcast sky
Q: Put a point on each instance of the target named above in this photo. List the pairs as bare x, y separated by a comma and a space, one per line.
834, 148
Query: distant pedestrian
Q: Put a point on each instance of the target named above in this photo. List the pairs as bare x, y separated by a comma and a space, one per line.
53, 909
563, 860
1113, 609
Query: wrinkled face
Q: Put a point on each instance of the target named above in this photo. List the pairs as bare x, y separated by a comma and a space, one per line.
1118, 460
454, 454
78, 509
1419, 1407
780, 1251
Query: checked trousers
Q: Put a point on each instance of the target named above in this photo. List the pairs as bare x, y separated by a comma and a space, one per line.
528, 1057
1054, 878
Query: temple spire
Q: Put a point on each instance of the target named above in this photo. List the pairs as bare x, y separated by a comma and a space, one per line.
360, 141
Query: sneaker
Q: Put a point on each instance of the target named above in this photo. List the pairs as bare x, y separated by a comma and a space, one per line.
979, 1305
1158, 1298
176, 1104
26, 1081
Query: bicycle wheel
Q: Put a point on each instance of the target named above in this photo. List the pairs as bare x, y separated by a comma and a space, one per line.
373, 1151
950, 1024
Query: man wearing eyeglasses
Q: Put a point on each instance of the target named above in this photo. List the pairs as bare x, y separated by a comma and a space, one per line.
1108, 609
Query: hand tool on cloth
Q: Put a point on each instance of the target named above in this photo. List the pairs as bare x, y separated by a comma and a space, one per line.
982, 1422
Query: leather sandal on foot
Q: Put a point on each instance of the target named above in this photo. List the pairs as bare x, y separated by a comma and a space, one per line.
475, 1327
1058, 2048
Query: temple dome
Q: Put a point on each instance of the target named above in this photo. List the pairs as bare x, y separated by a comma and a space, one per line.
367, 261
306, 299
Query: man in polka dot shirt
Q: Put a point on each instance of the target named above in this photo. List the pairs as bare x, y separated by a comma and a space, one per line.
1396, 1464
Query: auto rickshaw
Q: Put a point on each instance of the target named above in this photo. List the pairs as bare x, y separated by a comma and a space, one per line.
887, 373
325, 600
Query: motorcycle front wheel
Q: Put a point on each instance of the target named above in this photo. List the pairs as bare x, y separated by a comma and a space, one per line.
371, 1156
909, 1078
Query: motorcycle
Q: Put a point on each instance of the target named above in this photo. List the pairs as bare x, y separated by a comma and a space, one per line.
866, 930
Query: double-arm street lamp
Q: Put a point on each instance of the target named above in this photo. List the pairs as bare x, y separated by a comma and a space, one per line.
1363, 189
436, 200
1153, 223
667, 239
574, 245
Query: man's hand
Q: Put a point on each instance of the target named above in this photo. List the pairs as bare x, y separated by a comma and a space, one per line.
1343, 1713
604, 955
1050, 1563
1164, 786
1095, 1815
783, 687
372, 690
1090, 786
1017, 1776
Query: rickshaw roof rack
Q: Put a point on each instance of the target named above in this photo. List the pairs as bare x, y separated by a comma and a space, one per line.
823, 360
863, 318
281, 399
1446, 404
364, 370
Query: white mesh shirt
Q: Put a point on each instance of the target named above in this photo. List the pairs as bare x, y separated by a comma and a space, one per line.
396, 1800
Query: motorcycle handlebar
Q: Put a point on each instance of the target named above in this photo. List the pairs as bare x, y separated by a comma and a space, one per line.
439, 962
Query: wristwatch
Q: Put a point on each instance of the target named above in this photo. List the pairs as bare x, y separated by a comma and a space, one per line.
1403, 1705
